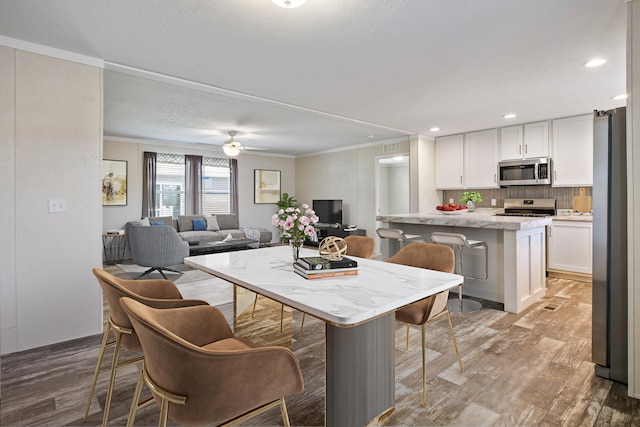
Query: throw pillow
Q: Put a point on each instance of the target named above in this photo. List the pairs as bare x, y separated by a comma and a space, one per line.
156, 223
212, 223
199, 224
144, 221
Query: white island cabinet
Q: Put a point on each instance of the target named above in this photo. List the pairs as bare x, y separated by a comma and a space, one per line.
516, 249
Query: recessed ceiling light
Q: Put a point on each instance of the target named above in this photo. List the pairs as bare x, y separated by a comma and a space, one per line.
371, 136
621, 96
289, 4
594, 63
434, 129
509, 116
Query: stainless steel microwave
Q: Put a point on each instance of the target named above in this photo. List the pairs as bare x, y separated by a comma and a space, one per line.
525, 172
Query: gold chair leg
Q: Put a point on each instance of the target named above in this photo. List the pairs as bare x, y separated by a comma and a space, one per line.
164, 411
302, 325
281, 316
424, 366
285, 414
255, 301
406, 344
455, 342
136, 397
105, 337
112, 378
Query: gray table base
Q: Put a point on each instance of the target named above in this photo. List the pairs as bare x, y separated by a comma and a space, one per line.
360, 372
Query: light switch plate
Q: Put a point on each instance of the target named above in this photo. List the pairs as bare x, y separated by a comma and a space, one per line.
57, 205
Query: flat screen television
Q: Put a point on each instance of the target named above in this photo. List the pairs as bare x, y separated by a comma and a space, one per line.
329, 212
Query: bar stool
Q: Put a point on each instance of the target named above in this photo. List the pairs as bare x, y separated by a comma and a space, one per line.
459, 242
399, 235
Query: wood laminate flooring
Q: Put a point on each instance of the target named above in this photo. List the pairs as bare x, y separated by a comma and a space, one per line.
531, 369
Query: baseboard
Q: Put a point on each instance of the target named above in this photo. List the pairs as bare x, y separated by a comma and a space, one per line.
560, 274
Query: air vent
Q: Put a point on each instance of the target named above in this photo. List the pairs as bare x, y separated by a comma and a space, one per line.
391, 148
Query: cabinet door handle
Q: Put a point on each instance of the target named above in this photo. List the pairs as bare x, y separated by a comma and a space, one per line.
555, 175
460, 179
519, 149
495, 177
526, 148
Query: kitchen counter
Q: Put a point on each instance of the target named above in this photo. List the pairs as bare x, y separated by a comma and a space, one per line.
479, 219
577, 218
516, 251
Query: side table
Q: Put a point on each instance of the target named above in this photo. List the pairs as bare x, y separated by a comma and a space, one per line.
114, 246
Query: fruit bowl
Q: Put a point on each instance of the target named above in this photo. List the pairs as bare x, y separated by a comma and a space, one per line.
460, 212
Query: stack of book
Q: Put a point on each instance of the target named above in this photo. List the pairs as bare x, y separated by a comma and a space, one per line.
318, 268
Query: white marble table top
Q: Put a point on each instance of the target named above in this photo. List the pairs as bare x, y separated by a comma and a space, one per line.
481, 219
378, 289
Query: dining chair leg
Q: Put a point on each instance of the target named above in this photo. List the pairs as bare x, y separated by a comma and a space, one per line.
255, 301
281, 316
406, 344
285, 414
105, 337
302, 325
112, 377
455, 342
136, 397
424, 366
164, 411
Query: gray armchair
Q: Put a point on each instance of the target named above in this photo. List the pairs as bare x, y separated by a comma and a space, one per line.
157, 247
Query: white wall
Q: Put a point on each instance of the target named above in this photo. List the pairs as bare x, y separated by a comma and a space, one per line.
424, 151
249, 214
398, 189
51, 130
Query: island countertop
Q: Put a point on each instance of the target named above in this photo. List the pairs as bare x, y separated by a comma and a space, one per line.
485, 218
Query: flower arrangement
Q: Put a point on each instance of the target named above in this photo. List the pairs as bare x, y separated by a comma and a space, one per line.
295, 223
473, 196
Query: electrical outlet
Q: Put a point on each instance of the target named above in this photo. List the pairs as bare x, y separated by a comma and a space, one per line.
493, 202
450, 200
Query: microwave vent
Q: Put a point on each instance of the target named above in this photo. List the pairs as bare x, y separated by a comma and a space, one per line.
394, 147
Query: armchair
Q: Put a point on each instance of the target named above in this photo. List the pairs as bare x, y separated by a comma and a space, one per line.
157, 247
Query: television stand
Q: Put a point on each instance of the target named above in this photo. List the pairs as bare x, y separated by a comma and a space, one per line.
341, 231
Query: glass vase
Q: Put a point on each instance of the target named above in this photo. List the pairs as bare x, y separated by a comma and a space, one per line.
295, 245
471, 206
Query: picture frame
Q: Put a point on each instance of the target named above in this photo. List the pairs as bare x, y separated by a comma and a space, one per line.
266, 186
114, 182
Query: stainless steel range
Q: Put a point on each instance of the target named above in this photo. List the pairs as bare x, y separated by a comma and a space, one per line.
529, 207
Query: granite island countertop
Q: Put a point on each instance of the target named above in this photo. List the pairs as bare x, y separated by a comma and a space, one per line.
481, 218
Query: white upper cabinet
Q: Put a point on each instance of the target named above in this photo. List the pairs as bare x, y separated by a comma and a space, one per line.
511, 142
536, 140
449, 162
573, 151
524, 141
481, 159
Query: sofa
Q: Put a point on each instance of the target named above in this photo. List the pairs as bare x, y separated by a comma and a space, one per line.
199, 229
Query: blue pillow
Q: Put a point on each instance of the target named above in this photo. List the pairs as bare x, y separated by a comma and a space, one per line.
156, 223
199, 224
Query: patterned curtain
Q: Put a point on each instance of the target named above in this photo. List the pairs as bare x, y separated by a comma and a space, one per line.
233, 186
149, 185
193, 184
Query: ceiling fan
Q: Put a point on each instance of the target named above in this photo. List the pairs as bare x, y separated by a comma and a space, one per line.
232, 147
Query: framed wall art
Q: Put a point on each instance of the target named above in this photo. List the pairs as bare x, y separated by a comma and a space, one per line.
114, 182
266, 186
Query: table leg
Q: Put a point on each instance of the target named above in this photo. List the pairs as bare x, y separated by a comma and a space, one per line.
360, 372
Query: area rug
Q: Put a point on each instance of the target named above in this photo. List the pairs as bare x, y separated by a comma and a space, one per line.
193, 284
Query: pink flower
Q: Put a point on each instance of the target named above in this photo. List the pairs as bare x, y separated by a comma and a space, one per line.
274, 220
290, 210
304, 220
288, 224
305, 206
309, 230
301, 227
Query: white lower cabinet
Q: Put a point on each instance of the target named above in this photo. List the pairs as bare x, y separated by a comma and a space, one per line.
569, 246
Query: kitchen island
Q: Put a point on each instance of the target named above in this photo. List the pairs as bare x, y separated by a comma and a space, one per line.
516, 247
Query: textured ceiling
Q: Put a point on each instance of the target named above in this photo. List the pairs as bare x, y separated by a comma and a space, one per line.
357, 68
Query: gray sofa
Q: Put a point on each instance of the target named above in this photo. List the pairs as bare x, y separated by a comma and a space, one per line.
217, 228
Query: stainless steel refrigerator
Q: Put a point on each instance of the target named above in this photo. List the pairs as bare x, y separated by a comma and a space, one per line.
609, 276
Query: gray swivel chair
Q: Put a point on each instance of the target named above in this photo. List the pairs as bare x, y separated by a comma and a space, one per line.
157, 247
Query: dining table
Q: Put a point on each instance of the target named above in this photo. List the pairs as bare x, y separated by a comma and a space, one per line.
358, 312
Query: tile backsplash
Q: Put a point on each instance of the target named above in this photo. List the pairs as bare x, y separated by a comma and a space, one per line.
563, 195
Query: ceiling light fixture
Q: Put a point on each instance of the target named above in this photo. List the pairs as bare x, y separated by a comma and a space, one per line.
434, 129
594, 63
231, 150
621, 96
289, 4
509, 116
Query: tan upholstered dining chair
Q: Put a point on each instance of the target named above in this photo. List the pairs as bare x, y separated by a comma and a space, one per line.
432, 257
200, 373
157, 293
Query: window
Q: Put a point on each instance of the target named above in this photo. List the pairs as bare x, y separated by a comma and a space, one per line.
170, 185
